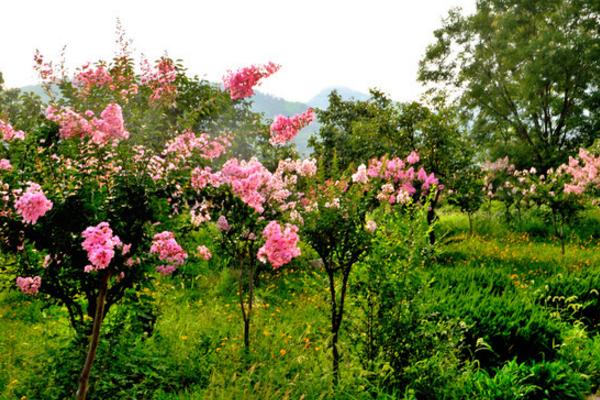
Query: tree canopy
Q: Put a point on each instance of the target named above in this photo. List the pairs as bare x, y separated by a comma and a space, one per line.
525, 73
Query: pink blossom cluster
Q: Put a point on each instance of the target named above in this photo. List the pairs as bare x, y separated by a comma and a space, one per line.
306, 167
202, 177
29, 285
371, 226
184, 145
501, 164
254, 184
204, 252
109, 128
33, 204
281, 246
9, 133
584, 172
100, 243
160, 79
43, 68
401, 179
284, 129
168, 250
240, 83
88, 77
223, 224
5, 165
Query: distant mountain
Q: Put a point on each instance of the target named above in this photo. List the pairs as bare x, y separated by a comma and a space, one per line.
321, 100
36, 89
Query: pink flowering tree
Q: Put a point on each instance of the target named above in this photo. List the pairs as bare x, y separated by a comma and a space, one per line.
336, 222
558, 193
564, 191
255, 211
88, 206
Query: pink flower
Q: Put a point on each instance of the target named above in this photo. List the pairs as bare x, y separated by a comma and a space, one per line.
584, 172
371, 226
33, 204
161, 79
167, 248
99, 243
241, 82
254, 184
165, 270
280, 246
88, 78
204, 252
9, 133
223, 224
5, 165
306, 167
284, 129
203, 177
110, 127
184, 145
29, 285
361, 175
413, 157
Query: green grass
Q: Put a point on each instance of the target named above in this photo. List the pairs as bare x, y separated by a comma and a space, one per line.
196, 351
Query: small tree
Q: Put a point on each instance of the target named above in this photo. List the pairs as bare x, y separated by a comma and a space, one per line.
335, 223
467, 192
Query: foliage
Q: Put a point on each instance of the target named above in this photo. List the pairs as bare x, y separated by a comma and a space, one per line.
526, 74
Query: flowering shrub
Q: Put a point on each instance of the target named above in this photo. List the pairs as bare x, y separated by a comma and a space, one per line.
244, 195
336, 220
558, 192
82, 199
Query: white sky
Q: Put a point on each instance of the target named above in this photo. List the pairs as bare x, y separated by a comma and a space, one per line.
358, 44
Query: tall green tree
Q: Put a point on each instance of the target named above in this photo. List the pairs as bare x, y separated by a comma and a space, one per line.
353, 131
22, 109
526, 73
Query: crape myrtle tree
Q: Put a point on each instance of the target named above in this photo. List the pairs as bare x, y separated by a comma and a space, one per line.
84, 204
336, 222
253, 208
467, 192
353, 132
560, 193
526, 75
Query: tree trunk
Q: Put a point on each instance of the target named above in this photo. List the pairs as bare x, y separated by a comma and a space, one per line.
94, 339
246, 308
334, 326
470, 224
